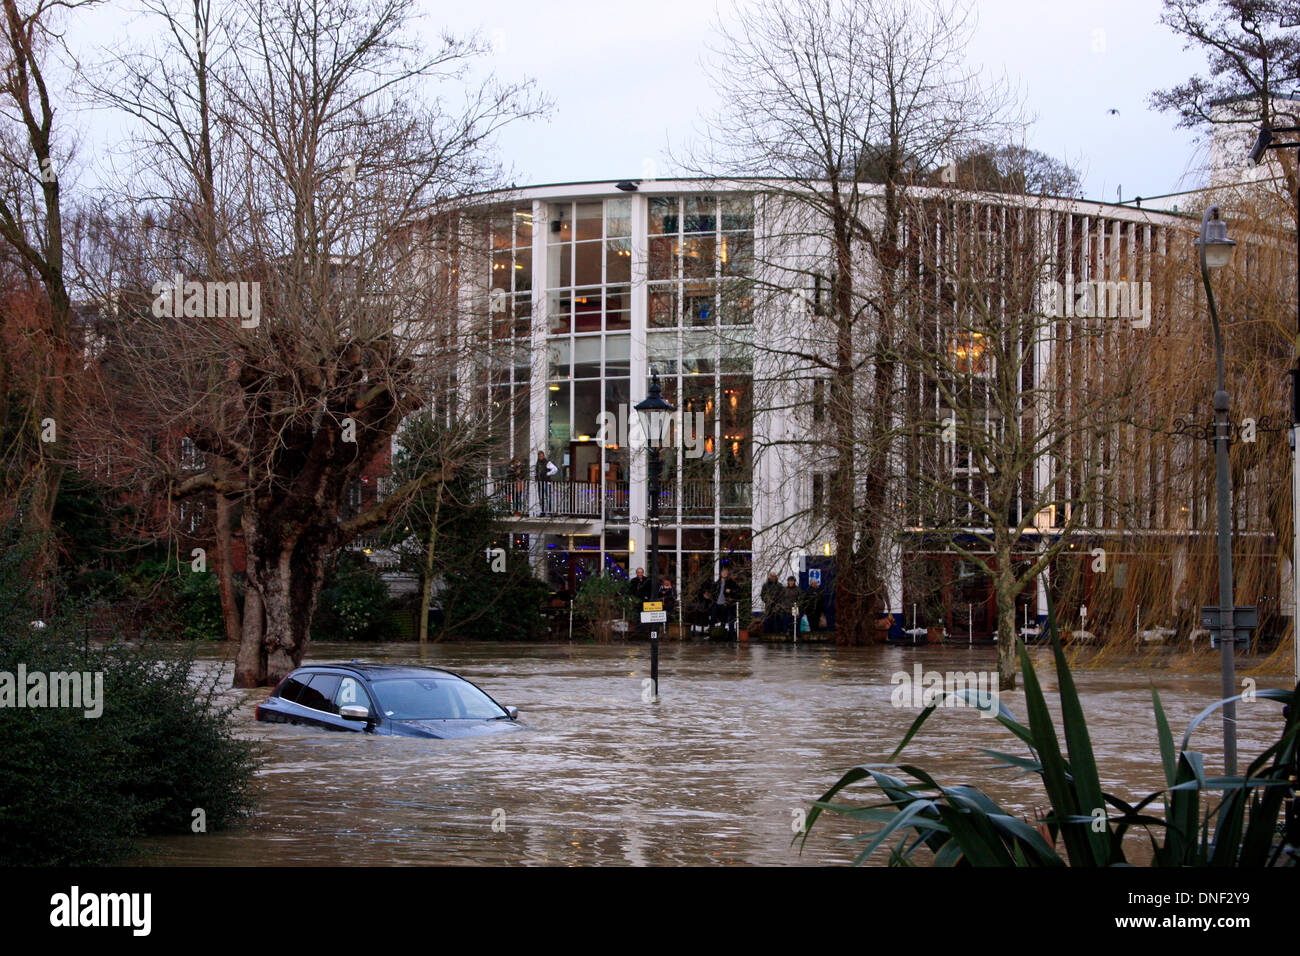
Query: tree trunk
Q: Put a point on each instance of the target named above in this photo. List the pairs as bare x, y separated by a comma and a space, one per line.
1005, 588
226, 573
426, 573
250, 663
287, 575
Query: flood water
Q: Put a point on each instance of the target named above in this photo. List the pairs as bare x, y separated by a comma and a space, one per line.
742, 739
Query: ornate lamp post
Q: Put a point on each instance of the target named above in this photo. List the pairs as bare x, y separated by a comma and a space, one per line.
653, 410
1216, 251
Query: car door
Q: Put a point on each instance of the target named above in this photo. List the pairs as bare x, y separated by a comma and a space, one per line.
351, 692
313, 703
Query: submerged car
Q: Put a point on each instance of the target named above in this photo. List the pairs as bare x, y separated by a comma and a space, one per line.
399, 700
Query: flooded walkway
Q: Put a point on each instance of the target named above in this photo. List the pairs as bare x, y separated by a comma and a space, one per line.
742, 739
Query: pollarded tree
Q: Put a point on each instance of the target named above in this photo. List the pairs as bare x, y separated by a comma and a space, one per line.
293, 322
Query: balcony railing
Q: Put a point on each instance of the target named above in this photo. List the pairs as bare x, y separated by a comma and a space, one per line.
561, 499
699, 499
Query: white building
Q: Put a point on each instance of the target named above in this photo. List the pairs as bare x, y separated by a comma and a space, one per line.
593, 287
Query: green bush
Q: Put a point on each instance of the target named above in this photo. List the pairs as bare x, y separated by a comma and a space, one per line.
353, 602
77, 790
601, 601
494, 605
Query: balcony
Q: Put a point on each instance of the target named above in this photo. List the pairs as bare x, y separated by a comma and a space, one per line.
559, 499
700, 500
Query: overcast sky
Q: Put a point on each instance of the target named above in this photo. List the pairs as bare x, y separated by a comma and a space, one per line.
626, 80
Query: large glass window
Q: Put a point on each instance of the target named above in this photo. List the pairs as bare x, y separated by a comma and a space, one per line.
701, 255
589, 295
510, 311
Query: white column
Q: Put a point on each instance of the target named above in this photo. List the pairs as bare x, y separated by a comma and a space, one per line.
637, 457
538, 396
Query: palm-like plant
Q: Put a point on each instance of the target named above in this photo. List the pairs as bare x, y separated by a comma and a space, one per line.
962, 826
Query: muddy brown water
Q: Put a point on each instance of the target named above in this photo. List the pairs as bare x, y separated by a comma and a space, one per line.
717, 771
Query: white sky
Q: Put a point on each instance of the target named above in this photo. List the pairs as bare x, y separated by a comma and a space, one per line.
626, 80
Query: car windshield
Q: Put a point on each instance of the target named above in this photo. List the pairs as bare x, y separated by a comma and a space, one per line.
434, 698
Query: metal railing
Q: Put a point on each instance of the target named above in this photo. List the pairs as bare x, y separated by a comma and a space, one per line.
610, 499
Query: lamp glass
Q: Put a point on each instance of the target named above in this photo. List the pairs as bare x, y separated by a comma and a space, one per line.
1218, 254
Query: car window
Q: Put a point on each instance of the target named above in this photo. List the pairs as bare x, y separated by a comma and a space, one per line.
293, 687
428, 698
320, 692
351, 693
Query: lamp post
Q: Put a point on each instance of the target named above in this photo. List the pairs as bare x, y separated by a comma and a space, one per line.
1263, 143
654, 407
1215, 252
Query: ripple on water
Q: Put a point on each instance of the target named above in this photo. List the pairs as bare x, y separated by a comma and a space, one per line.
742, 739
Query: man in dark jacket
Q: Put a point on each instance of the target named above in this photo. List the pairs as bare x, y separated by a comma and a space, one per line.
639, 587
723, 596
788, 605
542, 472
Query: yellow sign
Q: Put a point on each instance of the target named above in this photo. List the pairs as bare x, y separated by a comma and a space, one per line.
652, 605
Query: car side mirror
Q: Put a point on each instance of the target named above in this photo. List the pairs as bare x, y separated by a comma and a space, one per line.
354, 712
513, 712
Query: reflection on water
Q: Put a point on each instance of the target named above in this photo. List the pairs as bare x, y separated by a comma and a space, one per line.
742, 738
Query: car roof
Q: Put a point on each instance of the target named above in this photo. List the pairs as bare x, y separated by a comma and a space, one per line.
378, 671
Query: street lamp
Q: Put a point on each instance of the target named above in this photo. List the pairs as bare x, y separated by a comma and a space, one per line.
654, 409
1216, 251
1263, 143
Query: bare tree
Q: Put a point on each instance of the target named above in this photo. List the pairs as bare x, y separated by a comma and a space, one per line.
1019, 387
840, 106
298, 261
34, 155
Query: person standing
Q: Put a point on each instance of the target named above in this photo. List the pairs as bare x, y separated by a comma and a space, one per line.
668, 596
814, 605
542, 473
515, 475
725, 594
790, 602
771, 596
639, 587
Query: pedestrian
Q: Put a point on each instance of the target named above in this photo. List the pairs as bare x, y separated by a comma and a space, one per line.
813, 605
668, 596
723, 597
790, 602
542, 473
639, 587
515, 475
771, 596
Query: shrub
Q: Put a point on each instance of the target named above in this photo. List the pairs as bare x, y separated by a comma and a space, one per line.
353, 602
495, 605
76, 790
601, 601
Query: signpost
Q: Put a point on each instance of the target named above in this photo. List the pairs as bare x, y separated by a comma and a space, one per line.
652, 612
